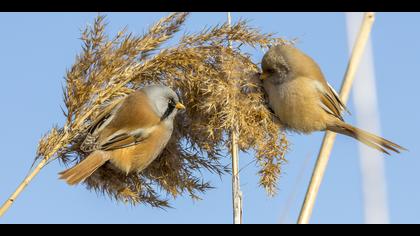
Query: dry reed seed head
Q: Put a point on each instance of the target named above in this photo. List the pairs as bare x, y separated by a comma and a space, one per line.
48, 142
219, 102
217, 84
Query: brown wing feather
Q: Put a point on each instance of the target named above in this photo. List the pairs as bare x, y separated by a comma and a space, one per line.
333, 107
130, 124
104, 115
123, 140
134, 113
89, 143
337, 99
330, 101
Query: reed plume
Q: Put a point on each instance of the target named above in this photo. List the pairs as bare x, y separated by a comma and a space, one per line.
218, 85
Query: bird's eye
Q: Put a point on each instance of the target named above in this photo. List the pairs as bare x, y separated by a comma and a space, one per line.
171, 102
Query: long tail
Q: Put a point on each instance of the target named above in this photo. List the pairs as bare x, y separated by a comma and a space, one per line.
367, 138
84, 169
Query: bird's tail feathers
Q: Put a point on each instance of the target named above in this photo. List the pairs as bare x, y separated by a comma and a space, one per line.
85, 168
367, 138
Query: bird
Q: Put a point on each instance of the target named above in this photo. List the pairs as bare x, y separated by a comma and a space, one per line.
304, 102
129, 133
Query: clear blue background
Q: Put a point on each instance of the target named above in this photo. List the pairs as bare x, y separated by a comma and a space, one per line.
37, 48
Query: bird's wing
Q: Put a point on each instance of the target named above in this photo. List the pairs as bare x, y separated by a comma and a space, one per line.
331, 102
122, 139
338, 100
98, 124
104, 116
128, 124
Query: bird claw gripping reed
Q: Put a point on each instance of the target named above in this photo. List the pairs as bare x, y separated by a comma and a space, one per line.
218, 85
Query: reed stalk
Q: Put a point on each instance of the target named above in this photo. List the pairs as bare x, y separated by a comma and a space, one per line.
329, 138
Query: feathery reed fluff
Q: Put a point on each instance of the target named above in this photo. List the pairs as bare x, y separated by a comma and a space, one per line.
197, 67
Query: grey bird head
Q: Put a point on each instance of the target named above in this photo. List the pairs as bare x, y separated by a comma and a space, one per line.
283, 62
163, 100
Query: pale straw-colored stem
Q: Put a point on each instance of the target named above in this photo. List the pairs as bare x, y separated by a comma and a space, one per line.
236, 191
6, 205
21, 187
329, 137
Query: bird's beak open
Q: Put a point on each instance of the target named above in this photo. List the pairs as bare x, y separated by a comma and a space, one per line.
263, 76
179, 106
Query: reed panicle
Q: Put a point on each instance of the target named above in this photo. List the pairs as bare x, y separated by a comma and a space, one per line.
218, 85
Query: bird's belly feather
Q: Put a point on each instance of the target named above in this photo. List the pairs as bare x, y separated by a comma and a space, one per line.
290, 101
136, 158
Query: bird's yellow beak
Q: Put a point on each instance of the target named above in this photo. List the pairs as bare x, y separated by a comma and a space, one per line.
179, 106
263, 76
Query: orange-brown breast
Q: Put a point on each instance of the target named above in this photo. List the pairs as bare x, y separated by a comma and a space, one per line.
138, 157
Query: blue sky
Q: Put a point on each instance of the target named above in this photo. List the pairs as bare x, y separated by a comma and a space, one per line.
37, 48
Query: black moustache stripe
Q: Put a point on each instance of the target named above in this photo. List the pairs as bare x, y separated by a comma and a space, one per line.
168, 111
